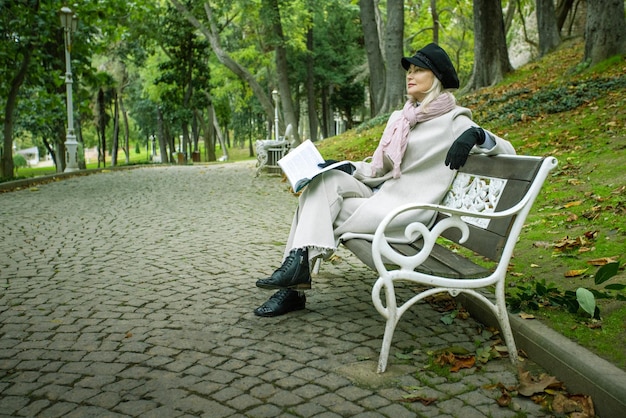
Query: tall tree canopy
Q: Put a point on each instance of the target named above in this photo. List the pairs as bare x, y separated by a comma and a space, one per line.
146, 71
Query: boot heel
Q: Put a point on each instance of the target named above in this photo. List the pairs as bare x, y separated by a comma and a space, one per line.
301, 286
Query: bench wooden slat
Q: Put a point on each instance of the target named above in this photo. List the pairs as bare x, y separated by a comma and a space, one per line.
492, 166
442, 261
490, 241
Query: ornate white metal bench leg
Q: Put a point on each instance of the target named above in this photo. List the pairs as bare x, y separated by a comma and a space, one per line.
316, 266
503, 320
390, 313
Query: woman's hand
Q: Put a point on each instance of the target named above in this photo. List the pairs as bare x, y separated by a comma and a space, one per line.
460, 149
346, 168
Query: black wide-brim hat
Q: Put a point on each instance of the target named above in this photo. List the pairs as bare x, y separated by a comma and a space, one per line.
434, 58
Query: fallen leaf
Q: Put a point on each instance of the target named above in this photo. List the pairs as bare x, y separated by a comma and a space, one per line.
504, 399
603, 261
572, 204
463, 363
418, 398
575, 273
586, 403
530, 385
561, 404
524, 315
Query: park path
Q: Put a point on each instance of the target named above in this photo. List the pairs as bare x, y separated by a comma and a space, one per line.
130, 293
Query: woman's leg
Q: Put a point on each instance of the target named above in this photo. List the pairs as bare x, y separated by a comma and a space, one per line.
311, 236
319, 206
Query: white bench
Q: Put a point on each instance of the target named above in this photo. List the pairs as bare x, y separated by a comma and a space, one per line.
268, 152
484, 211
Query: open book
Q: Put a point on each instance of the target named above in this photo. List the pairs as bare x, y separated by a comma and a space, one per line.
300, 165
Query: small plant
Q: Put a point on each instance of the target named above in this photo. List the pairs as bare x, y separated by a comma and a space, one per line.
19, 162
587, 298
531, 297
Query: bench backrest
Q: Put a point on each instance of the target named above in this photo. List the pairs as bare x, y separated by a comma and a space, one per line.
488, 183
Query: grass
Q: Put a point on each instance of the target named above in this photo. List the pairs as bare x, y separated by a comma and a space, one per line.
556, 106
235, 154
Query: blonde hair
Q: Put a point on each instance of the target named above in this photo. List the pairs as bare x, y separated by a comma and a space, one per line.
433, 92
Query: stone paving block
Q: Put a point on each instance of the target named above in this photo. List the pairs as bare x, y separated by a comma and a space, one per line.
58, 409
10, 404
105, 399
92, 411
309, 409
33, 409
135, 407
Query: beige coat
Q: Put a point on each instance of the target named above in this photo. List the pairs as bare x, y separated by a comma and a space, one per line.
335, 202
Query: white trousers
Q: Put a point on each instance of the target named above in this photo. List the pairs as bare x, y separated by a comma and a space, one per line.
325, 204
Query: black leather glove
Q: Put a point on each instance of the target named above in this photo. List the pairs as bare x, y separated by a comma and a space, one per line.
346, 168
460, 149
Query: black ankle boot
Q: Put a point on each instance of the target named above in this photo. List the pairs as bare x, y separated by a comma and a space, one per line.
293, 274
282, 302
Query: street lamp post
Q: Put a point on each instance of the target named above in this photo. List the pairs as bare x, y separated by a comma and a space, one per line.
275, 96
69, 21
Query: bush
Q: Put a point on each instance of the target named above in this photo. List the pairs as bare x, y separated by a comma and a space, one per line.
19, 162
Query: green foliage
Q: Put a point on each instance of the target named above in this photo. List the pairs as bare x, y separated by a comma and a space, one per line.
539, 294
19, 162
517, 104
586, 301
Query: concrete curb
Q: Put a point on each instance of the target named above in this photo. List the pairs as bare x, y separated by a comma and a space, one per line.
9, 186
581, 370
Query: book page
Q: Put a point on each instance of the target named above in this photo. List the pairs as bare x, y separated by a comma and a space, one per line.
301, 162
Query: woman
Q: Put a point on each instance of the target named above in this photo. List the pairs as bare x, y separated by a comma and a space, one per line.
421, 146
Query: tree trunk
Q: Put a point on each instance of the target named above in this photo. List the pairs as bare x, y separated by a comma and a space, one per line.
6, 165
184, 146
395, 76
563, 8
310, 88
102, 118
116, 130
605, 30
510, 14
282, 69
491, 59
549, 38
435, 17
375, 61
126, 130
165, 157
60, 145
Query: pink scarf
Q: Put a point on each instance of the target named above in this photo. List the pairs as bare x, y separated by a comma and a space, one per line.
396, 135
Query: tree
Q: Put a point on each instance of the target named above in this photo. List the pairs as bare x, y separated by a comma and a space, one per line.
605, 30
395, 84
18, 48
563, 8
384, 47
211, 32
271, 12
549, 37
375, 60
491, 58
